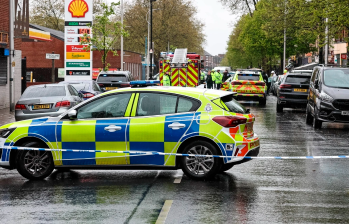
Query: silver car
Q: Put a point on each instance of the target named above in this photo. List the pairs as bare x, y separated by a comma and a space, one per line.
46, 100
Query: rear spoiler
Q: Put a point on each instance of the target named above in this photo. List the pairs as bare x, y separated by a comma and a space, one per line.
224, 95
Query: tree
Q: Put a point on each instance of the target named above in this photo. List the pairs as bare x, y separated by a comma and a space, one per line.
241, 6
50, 13
174, 23
105, 33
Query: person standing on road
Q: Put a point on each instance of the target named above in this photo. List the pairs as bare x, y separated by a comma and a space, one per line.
209, 82
225, 75
218, 79
213, 75
166, 81
202, 76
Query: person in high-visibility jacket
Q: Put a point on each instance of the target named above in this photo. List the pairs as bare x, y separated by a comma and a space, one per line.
213, 75
218, 79
202, 77
166, 81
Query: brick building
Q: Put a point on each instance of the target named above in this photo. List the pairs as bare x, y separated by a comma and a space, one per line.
5, 62
41, 68
212, 61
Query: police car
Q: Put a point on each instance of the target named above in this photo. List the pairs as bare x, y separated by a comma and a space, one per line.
151, 119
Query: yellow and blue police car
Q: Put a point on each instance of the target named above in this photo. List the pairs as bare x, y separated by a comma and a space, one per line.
159, 121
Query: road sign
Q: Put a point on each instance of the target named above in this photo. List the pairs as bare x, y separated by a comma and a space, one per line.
52, 56
344, 56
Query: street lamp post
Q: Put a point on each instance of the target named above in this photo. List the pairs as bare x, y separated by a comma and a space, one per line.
122, 38
151, 51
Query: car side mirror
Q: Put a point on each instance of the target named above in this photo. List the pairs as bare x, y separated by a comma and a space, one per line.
316, 84
72, 114
81, 95
248, 111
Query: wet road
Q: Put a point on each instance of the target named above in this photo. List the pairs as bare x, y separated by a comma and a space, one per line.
260, 191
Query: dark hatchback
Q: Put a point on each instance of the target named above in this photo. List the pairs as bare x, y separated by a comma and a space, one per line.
88, 88
114, 80
293, 91
328, 99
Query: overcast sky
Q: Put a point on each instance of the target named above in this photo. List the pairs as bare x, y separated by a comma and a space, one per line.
218, 24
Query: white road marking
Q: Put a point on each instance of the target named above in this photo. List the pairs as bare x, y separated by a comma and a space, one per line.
178, 180
164, 212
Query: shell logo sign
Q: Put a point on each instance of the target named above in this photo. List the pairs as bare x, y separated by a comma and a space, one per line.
78, 8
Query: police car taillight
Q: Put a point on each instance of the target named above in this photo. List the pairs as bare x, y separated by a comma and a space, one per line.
230, 121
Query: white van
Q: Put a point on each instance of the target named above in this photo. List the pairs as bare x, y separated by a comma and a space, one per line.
222, 69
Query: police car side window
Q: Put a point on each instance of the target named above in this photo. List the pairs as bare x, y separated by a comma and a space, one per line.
106, 107
187, 105
150, 104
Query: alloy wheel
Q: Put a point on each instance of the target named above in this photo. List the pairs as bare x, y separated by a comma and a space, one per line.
37, 162
199, 165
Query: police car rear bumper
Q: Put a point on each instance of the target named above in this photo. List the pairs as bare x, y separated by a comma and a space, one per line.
251, 153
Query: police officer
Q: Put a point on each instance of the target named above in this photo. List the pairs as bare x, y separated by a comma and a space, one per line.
218, 79
213, 75
166, 81
202, 77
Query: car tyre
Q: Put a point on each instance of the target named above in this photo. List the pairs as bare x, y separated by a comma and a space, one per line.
226, 167
33, 164
279, 108
263, 101
308, 117
200, 168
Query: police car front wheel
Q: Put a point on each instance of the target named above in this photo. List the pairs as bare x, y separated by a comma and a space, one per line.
200, 167
33, 164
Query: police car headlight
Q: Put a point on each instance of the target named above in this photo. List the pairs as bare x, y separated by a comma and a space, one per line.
325, 97
4, 133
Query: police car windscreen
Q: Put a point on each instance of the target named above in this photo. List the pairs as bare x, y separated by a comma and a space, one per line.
41, 91
81, 86
299, 79
337, 78
112, 78
251, 77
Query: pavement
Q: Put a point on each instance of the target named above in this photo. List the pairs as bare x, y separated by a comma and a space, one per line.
259, 191
6, 116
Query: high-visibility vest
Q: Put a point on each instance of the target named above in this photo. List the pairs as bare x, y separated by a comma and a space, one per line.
213, 75
218, 77
166, 81
202, 76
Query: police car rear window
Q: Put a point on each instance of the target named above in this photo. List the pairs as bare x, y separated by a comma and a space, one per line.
251, 77
228, 103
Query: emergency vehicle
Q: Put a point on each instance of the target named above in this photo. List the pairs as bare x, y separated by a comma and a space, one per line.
184, 68
143, 118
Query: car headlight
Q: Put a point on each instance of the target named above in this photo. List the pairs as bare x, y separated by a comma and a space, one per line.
325, 97
4, 133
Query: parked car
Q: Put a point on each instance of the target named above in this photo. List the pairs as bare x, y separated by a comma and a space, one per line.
328, 99
88, 88
277, 83
272, 81
46, 100
111, 80
293, 91
149, 119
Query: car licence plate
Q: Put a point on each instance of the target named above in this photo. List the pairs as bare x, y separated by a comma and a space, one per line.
300, 90
346, 113
110, 88
41, 106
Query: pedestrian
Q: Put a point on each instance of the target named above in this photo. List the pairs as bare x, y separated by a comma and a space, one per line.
273, 74
166, 81
213, 78
225, 75
264, 75
209, 82
218, 79
202, 76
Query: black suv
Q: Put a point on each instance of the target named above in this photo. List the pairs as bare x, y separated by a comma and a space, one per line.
114, 79
328, 99
293, 91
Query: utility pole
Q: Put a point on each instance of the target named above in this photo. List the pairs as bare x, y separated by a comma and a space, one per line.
326, 45
122, 38
53, 70
151, 51
284, 64
12, 52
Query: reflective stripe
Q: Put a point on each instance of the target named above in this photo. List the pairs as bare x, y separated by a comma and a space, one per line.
129, 106
134, 108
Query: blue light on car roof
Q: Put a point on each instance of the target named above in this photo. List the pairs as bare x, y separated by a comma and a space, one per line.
144, 82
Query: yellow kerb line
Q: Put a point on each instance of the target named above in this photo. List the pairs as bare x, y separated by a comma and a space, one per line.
164, 212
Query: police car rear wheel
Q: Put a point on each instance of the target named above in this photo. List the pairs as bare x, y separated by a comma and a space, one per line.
34, 165
197, 167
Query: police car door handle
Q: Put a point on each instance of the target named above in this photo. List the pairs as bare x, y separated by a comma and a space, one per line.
176, 126
112, 128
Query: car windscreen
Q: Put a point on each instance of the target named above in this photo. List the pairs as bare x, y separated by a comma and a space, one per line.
337, 78
42, 91
112, 78
230, 104
252, 77
299, 79
81, 86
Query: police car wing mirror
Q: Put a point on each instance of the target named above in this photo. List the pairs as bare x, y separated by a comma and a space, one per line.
72, 114
248, 111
